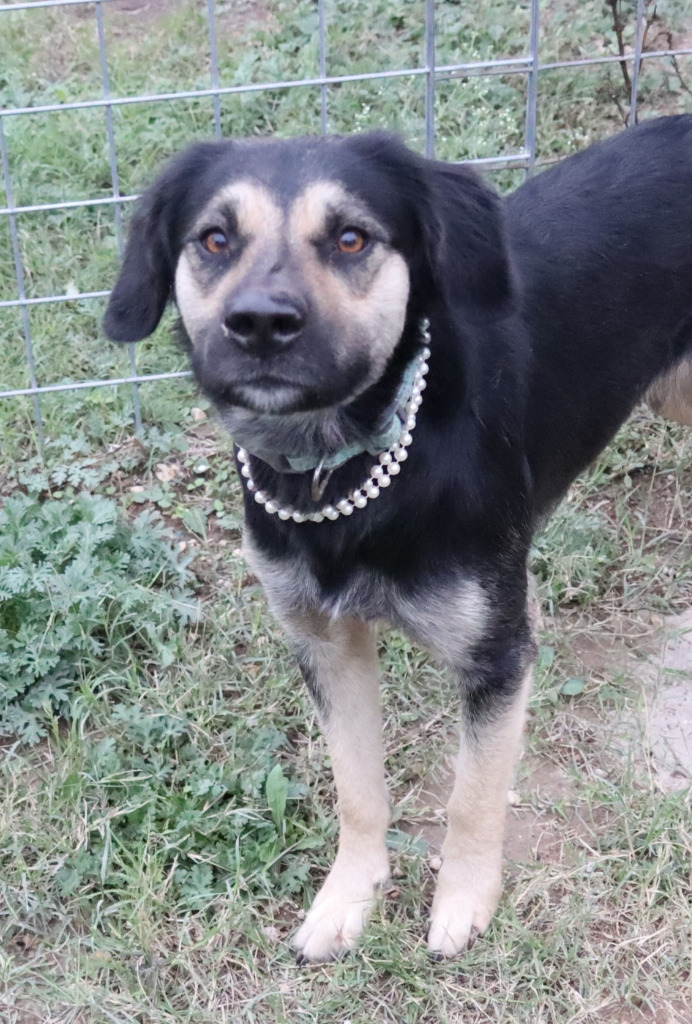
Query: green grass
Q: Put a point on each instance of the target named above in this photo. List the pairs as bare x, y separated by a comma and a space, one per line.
166, 810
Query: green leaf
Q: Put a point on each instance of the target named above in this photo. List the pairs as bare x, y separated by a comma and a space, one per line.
195, 521
546, 657
573, 687
276, 789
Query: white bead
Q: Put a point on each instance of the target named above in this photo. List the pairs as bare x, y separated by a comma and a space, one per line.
377, 472
384, 481
385, 458
405, 439
395, 468
426, 354
285, 513
401, 455
245, 470
424, 323
330, 512
410, 422
260, 498
359, 499
243, 456
251, 485
415, 403
345, 507
422, 386
371, 489
271, 507
298, 517
316, 517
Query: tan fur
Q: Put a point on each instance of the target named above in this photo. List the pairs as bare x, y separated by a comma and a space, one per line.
365, 306
341, 652
344, 658
671, 395
260, 221
367, 309
470, 880
448, 620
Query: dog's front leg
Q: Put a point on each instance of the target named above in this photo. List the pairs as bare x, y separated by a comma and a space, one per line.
470, 880
338, 659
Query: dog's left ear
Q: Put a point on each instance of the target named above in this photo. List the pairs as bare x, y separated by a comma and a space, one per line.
463, 229
145, 283
459, 250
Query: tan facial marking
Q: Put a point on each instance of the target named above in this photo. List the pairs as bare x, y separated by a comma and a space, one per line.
260, 223
366, 307
361, 305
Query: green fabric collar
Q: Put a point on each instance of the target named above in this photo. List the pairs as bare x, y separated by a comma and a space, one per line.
373, 443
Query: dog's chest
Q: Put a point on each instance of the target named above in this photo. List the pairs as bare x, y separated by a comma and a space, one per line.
448, 617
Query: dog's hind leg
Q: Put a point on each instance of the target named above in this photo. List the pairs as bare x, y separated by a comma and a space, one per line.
338, 659
671, 394
470, 880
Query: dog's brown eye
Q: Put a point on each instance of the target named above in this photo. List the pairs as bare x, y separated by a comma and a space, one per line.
215, 242
352, 241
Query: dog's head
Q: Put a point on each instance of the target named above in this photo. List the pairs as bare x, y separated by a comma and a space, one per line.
297, 265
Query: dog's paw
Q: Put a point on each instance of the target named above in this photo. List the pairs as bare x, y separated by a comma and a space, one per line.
341, 910
465, 900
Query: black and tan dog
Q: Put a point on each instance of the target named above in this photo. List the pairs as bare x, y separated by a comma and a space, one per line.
306, 273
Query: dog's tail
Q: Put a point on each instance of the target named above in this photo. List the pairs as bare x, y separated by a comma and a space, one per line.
671, 394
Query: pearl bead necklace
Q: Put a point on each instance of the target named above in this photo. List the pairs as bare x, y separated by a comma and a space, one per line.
388, 463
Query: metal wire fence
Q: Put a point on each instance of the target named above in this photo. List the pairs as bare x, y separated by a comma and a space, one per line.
430, 72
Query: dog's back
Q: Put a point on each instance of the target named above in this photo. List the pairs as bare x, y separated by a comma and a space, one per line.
602, 246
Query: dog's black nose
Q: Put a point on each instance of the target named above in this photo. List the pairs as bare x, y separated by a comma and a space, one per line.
261, 324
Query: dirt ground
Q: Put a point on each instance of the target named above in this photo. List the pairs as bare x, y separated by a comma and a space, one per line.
544, 819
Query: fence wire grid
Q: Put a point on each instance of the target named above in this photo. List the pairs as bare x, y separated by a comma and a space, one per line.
629, 57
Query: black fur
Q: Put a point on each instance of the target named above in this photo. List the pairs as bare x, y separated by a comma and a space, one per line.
551, 312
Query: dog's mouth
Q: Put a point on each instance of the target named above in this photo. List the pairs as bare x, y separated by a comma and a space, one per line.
270, 395
274, 395
271, 390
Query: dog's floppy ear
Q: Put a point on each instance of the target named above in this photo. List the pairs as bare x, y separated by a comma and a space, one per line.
145, 283
459, 249
463, 229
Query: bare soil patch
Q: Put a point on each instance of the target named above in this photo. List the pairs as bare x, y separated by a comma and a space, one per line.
549, 819
665, 733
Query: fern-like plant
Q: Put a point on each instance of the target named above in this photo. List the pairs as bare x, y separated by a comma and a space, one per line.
80, 588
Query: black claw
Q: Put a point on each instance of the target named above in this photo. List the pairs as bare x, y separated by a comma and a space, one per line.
303, 961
